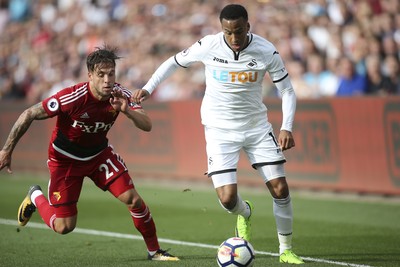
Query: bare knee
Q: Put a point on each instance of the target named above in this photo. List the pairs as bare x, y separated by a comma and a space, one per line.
134, 203
64, 226
278, 188
228, 201
131, 199
63, 229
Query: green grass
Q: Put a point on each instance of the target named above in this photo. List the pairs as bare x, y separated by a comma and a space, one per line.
357, 231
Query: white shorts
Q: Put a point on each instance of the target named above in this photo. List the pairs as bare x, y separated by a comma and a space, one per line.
224, 146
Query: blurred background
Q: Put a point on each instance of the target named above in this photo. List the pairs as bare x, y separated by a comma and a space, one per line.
342, 56
44, 43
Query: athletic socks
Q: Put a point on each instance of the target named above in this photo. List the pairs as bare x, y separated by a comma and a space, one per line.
34, 195
141, 218
144, 223
241, 208
283, 213
45, 210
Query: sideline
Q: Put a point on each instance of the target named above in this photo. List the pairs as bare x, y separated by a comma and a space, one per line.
169, 241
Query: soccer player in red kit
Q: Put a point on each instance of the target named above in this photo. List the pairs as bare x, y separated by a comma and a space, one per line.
79, 148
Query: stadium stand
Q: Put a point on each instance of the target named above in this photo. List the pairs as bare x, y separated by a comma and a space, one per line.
43, 43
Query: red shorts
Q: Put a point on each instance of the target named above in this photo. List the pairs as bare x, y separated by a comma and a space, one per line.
107, 170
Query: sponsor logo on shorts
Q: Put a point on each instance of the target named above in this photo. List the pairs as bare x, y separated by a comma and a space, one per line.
57, 196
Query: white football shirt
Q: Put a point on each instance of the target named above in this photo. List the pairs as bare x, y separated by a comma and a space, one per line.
233, 96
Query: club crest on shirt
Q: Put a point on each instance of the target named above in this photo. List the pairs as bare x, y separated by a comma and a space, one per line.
252, 64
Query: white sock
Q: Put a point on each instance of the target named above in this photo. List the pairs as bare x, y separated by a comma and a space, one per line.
241, 208
34, 195
284, 222
152, 252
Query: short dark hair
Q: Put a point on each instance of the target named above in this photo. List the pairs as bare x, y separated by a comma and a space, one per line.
233, 12
101, 56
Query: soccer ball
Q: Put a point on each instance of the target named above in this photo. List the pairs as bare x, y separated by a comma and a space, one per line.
235, 251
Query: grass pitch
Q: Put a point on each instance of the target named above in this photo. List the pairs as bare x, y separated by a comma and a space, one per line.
333, 230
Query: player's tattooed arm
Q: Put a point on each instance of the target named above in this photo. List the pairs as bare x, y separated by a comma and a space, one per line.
35, 112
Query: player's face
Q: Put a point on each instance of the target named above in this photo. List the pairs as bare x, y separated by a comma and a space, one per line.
102, 81
235, 33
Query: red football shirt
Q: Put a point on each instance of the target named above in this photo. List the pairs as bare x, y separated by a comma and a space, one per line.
82, 121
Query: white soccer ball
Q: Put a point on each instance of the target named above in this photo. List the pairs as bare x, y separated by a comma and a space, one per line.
235, 251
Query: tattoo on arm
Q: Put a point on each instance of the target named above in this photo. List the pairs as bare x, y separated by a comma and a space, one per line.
36, 112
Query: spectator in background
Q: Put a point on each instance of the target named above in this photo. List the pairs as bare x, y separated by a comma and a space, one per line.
320, 80
377, 83
20, 10
391, 68
331, 81
350, 82
302, 89
35, 33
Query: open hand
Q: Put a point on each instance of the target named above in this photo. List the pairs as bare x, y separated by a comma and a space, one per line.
119, 101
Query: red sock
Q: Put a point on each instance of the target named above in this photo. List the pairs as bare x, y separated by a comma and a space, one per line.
145, 225
45, 210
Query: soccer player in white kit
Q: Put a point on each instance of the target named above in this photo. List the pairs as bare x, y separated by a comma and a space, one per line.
235, 117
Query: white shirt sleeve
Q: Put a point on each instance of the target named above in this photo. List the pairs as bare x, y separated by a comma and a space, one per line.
288, 103
166, 69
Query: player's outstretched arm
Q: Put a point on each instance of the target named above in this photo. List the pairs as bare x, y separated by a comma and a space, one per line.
35, 112
140, 95
165, 70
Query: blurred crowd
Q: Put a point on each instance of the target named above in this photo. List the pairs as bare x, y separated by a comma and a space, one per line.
331, 48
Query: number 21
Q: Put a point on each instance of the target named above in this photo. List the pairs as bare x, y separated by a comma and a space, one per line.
105, 167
